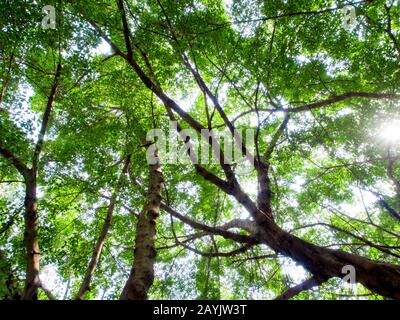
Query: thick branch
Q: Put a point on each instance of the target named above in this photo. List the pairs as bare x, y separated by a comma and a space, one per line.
125, 29
389, 32
305, 285
46, 118
264, 195
142, 272
232, 253
326, 102
18, 164
221, 231
275, 138
47, 292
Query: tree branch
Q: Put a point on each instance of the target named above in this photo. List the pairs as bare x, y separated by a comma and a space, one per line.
326, 102
275, 138
390, 174
389, 32
46, 118
221, 231
125, 29
305, 285
18, 164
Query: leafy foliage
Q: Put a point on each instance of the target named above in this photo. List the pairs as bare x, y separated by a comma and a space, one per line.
329, 167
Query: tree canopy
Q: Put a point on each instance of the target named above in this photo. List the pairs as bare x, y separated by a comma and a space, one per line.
313, 206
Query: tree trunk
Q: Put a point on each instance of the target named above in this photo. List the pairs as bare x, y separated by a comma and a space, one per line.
85, 286
142, 272
32, 281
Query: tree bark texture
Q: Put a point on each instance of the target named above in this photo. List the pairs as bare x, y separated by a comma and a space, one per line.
142, 272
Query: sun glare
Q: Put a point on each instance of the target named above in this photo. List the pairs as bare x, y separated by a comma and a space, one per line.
390, 132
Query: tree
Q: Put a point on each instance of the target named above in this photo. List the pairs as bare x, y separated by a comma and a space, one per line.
322, 190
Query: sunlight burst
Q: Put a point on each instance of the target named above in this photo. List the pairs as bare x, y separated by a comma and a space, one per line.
390, 132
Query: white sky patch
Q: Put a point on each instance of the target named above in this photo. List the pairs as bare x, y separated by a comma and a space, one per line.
390, 132
333, 66
319, 154
52, 281
197, 6
23, 114
385, 129
250, 187
252, 12
228, 4
356, 209
186, 102
298, 184
102, 48
386, 188
302, 59
344, 112
187, 187
253, 120
243, 213
223, 93
295, 271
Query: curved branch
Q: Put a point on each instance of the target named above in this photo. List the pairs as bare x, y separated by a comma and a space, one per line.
18, 164
232, 253
221, 231
326, 102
